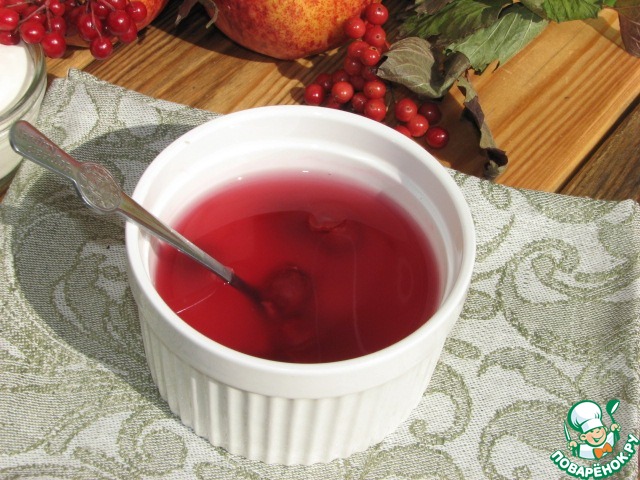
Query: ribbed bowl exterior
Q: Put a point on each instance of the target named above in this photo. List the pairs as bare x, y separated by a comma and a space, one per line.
284, 430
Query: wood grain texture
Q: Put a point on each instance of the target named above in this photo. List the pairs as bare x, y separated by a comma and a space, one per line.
613, 171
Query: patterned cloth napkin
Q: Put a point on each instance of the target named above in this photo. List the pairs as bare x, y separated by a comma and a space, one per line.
552, 322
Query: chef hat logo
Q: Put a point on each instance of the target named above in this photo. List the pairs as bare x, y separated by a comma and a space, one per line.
585, 416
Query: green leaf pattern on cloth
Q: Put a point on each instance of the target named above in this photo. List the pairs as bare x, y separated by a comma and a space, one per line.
552, 318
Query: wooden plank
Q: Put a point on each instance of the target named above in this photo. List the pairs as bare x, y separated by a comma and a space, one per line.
613, 172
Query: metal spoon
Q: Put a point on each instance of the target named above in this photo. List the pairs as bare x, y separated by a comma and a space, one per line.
97, 187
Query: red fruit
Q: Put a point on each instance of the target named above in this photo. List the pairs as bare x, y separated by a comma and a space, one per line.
89, 27
53, 44
352, 65
130, 35
374, 89
285, 29
369, 72
418, 125
431, 111
375, 36
314, 94
358, 82
405, 109
32, 31
376, 13
101, 47
137, 10
437, 137
358, 102
339, 76
57, 24
342, 92
118, 22
403, 130
354, 27
325, 80
355, 48
9, 19
375, 109
370, 56
9, 38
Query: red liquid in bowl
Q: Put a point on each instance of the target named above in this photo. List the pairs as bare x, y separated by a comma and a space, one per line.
373, 274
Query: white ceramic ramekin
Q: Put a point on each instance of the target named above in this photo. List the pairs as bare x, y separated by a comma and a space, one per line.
282, 412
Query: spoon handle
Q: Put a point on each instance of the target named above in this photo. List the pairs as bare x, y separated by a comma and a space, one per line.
26, 140
99, 190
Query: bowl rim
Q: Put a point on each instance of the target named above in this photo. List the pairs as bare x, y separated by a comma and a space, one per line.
247, 372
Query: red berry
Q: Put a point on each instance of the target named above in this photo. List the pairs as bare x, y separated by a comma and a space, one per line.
101, 47
137, 11
437, 137
352, 65
324, 79
358, 101
100, 10
431, 111
370, 56
355, 48
342, 92
57, 24
403, 130
374, 89
405, 109
354, 27
118, 4
9, 19
32, 31
332, 103
118, 22
130, 35
339, 76
375, 36
89, 27
369, 72
358, 82
9, 38
53, 44
375, 109
33, 12
376, 13
314, 94
418, 125
56, 7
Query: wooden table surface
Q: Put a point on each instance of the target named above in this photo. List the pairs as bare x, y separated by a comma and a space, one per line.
566, 108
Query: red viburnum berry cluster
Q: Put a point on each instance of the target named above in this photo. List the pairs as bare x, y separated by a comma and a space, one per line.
49, 22
357, 88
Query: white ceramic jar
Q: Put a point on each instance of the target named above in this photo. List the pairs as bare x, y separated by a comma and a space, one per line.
282, 412
23, 80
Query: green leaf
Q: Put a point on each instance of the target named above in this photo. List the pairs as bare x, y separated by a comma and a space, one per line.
536, 6
453, 21
430, 6
412, 62
564, 10
503, 39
